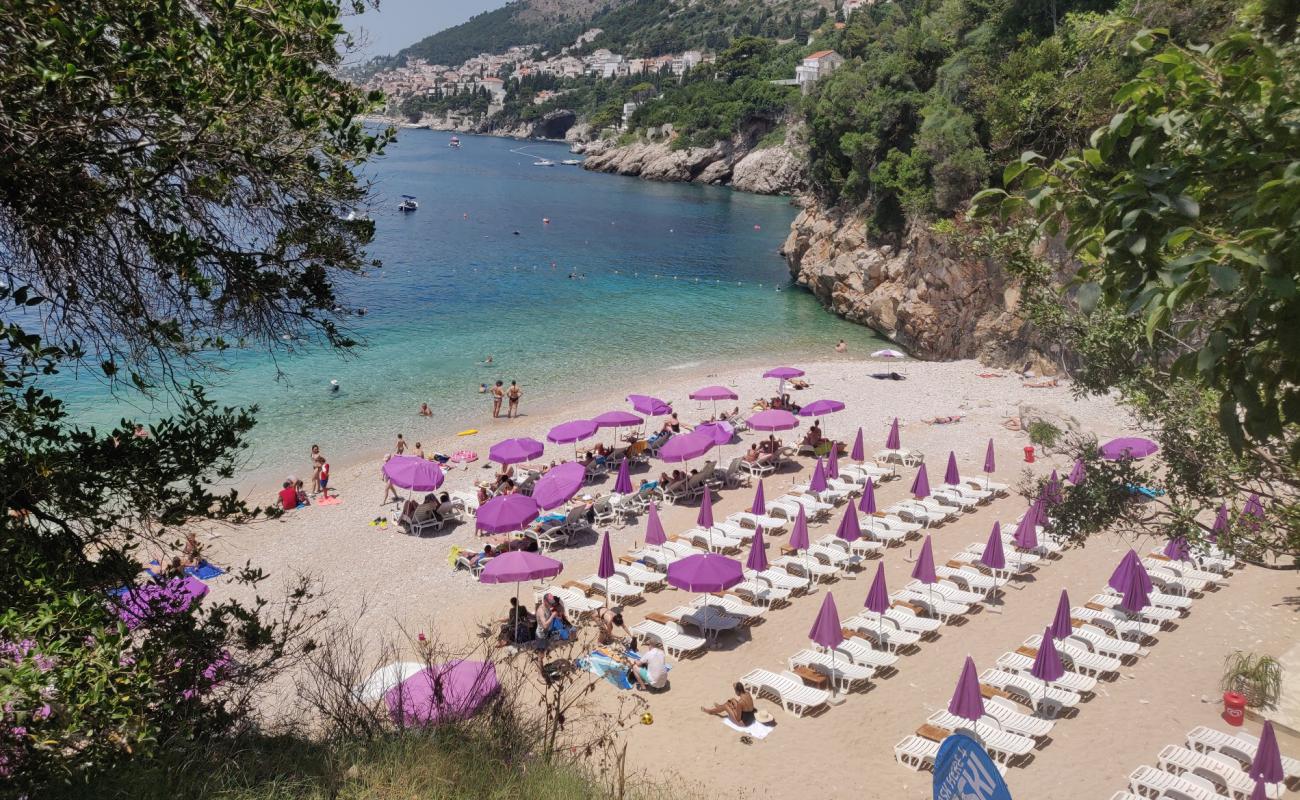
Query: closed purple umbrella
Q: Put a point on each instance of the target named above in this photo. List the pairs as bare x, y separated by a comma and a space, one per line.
1062, 626
623, 481
705, 517
820, 408
573, 431
990, 465
833, 461
1053, 493
509, 512
685, 446
706, 572
605, 568
867, 505
1260, 792
1047, 662
775, 419
1178, 549
924, 569
966, 701
799, 538
878, 598
447, 692
757, 560
414, 473
827, 633
921, 484
849, 530
560, 483
1130, 563
818, 482
518, 566
1253, 508
651, 406
1026, 536
654, 529
1220, 525
859, 453
993, 556
1136, 594
759, 506
1128, 447
1077, 472
1267, 764
952, 476
894, 441
515, 451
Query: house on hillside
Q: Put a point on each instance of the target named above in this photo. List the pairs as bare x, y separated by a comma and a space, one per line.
815, 67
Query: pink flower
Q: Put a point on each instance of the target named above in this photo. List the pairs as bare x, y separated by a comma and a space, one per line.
43, 712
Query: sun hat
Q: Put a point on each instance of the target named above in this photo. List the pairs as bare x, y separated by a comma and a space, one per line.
763, 717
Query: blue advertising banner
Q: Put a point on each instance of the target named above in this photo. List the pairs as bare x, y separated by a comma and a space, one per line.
963, 771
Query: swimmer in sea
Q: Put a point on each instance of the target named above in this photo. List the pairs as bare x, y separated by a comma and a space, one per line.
482, 388
488, 360
334, 386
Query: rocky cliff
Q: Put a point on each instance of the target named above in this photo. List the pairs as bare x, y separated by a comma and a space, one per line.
735, 163
922, 293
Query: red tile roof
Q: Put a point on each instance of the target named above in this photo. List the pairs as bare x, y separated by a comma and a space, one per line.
822, 54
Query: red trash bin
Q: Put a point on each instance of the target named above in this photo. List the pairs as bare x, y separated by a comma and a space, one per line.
1029, 455
1234, 708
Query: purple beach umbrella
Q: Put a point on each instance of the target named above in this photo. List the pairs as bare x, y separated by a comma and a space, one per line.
759, 506
706, 572
572, 431
893, 441
623, 482
867, 505
447, 692
859, 453
1267, 764
1026, 535
605, 568
784, 373
713, 393
757, 560
1128, 447
518, 566
1053, 493
833, 461
1077, 472
560, 483
826, 632
515, 451
952, 476
775, 419
1062, 627
820, 408
993, 556
966, 701
1136, 593
849, 530
414, 473
818, 481
719, 432
924, 569
650, 406
705, 517
156, 601
1260, 792
617, 419
990, 465
1178, 549
1130, 563
1220, 525
921, 484
508, 512
1253, 508
654, 529
684, 447
878, 598
1047, 662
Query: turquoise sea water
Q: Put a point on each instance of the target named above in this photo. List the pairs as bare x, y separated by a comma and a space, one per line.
674, 275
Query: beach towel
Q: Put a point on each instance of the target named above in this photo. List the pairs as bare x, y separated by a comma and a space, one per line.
204, 571
612, 670
329, 501
756, 729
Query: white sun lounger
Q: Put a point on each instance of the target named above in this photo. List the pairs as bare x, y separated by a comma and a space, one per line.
733, 606
885, 633
1117, 622
902, 456
860, 651
919, 753
969, 577
1043, 699
1183, 570
888, 522
968, 491
936, 606
1149, 613
709, 620
1217, 768
787, 689
638, 575
1098, 641
945, 590
917, 515
714, 541
1001, 744
1078, 657
886, 537
947, 497
760, 593
1147, 781
1009, 715
872, 471
1240, 746
750, 521
983, 482
862, 548
909, 620
1071, 681
846, 675
836, 557
575, 603
778, 579
670, 637
682, 549
807, 568
616, 588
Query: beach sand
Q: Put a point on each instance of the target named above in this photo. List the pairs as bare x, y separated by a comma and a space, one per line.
848, 750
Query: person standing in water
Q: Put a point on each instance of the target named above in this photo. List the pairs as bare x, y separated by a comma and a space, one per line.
841, 347
513, 394
498, 394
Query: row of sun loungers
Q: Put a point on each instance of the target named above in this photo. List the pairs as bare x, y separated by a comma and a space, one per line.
1210, 765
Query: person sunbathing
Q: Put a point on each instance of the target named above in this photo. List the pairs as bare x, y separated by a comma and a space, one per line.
799, 383
814, 436
1043, 384
943, 420
738, 709
193, 551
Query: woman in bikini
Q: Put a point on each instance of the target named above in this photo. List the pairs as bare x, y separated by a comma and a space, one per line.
514, 393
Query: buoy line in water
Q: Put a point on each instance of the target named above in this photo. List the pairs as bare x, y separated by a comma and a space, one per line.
583, 274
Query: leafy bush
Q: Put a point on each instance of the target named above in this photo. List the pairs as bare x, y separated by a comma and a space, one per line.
1044, 434
1258, 677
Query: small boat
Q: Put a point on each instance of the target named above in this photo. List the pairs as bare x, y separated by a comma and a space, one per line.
408, 204
455, 142
544, 163
571, 162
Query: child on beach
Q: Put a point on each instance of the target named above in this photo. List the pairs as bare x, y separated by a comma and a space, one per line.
400, 447
324, 471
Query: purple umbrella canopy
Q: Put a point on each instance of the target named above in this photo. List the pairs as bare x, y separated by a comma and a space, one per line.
784, 373
1053, 493
1220, 525
993, 556
706, 572
447, 692
1260, 792
759, 506
833, 461
878, 594
705, 517
560, 483
152, 601
799, 533
617, 419
966, 701
1136, 593
1178, 549
1267, 764
849, 530
605, 568
651, 406
774, 419
1062, 627
924, 569
951, 475
515, 451
1128, 447
989, 463
718, 432
1026, 535
893, 441
826, 628
1047, 662
685, 446
859, 453
818, 481
654, 529
820, 408
508, 512
1254, 507
518, 566
1130, 563
757, 560
572, 431
623, 481
867, 505
713, 393
414, 473
921, 484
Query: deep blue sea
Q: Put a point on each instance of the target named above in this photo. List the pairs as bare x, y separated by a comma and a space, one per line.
627, 275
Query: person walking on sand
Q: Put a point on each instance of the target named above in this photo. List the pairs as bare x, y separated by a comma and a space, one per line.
498, 394
400, 447
514, 394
